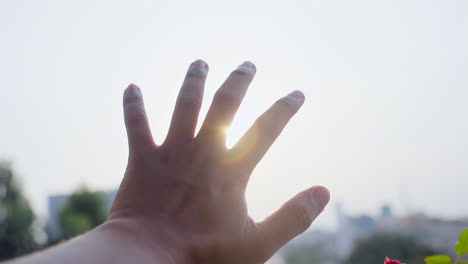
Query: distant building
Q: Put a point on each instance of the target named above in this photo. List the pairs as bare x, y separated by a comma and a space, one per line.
353, 228
335, 248
437, 233
56, 204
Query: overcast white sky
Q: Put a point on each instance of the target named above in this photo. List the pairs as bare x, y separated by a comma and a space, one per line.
385, 120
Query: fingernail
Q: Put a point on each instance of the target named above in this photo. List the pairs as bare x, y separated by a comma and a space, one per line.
133, 89
199, 66
320, 197
296, 97
247, 66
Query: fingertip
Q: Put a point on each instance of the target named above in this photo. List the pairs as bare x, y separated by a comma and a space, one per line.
201, 63
320, 196
248, 67
295, 98
133, 85
132, 89
198, 68
295, 216
297, 94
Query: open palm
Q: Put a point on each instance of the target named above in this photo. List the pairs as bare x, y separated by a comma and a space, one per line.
187, 195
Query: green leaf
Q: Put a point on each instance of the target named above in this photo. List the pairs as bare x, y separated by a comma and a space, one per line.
439, 259
462, 245
462, 262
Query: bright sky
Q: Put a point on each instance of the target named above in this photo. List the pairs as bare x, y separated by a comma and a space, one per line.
385, 120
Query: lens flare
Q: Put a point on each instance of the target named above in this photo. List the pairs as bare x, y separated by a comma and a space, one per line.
244, 147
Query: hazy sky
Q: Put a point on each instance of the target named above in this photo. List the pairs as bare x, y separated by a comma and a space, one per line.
385, 119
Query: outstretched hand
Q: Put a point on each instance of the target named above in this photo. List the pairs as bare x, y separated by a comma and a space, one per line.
185, 199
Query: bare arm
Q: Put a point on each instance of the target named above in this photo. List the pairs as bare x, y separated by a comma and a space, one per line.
184, 201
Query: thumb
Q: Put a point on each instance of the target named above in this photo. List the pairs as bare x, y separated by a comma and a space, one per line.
293, 218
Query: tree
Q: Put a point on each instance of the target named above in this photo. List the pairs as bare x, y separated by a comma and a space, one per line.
375, 248
303, 255
84, 211
16, 217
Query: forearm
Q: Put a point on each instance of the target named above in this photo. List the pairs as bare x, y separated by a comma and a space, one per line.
108, 243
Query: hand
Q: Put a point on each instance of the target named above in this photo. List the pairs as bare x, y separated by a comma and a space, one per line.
185, 199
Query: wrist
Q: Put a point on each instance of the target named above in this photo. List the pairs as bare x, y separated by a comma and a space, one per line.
134, 239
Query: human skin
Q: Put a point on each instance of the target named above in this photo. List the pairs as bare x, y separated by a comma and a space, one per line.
184, 201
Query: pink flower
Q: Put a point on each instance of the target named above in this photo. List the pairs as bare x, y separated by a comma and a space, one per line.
392, 261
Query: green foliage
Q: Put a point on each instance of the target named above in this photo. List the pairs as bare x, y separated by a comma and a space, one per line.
370, 250
303, 255
438, 259
461, 248
74, 223
84, 210
16, 218
462, 245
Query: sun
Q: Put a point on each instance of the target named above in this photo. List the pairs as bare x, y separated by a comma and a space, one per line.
248, 141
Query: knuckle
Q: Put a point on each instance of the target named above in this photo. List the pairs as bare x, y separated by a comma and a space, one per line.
132, 94
195, 74
268, 125
302, 215
226, 97
287, 105
131, 100
136, 117
189, 103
